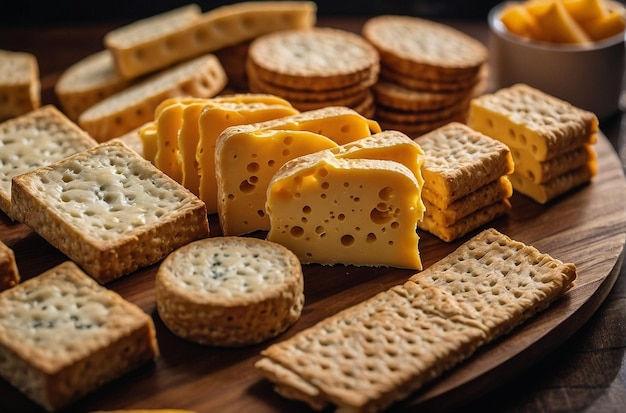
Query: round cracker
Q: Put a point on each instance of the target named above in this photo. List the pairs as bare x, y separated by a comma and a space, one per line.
313, 59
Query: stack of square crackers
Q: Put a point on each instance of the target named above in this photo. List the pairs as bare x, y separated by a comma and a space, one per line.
465, 182
550, 140
315, 68
428, 74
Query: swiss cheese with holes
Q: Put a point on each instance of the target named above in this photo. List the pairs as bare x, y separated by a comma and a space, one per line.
229, 291
154, 43
248, 156
109, 210
38, 138
355, 204
62, 336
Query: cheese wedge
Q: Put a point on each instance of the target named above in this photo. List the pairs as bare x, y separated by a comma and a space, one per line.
350, 205
242, 179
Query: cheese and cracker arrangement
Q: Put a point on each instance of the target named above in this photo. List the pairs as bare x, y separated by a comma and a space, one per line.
345, 150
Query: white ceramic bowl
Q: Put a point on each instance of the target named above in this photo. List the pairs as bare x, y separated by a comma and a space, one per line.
587, 76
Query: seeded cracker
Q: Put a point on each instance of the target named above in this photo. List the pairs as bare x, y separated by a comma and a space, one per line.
368, 356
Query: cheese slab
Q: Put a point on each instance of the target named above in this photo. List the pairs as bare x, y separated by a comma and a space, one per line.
109, 210
352, 205
242, 179
63, 336
187, 33
526, 118
38, 138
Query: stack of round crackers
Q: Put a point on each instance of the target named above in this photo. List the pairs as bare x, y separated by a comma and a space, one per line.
315, 68
428, 72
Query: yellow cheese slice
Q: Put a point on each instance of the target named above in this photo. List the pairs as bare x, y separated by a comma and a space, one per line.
245, 162
148, 137
212, 122
583, 10
247, 157
519, 21
605, 26
335, 207
556, 24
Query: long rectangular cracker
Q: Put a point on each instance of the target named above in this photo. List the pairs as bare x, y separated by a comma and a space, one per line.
109, 210
540, 172
37, 138
379, 351
459, 160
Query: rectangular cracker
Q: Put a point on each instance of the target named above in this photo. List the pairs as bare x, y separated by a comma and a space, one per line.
379, 351
460, 160
109, 210
434, 218
544, 193
149, 45
527, 118
488, 194
62, 336
540, 172
9, 274
38, 138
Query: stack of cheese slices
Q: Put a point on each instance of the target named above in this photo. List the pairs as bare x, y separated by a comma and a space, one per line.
550, 139
314, 68
429, 72
466, 184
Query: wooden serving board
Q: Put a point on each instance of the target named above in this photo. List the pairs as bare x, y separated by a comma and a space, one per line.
587, 227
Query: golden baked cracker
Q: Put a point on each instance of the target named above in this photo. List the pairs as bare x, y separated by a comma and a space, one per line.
370, 355
488, 194
9, 273
63, 336
108, 209
313, 59
504, 280
396, 96
435, 220
416, 129
419, 116
545, 192
291, 94
459, 160
229, 291
527, 118
417, 83
37, 138
541, 172
20, 87
433, 50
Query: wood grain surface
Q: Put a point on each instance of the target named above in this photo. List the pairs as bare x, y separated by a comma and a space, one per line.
587, 227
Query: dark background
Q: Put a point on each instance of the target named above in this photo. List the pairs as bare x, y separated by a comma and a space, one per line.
43, 12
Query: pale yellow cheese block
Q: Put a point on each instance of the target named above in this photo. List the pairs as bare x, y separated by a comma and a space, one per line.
526, 118
352, 206
240, 191
167, 39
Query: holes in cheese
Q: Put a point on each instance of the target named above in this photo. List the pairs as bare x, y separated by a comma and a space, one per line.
350, 205
248, 156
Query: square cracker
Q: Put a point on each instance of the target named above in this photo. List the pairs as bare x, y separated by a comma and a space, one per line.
459, 160
38, 138
379, 351
109, 210
62, 336
9, 274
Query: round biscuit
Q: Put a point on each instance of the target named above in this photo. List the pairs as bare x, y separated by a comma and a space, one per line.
412, 45
318, 58
229, 291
